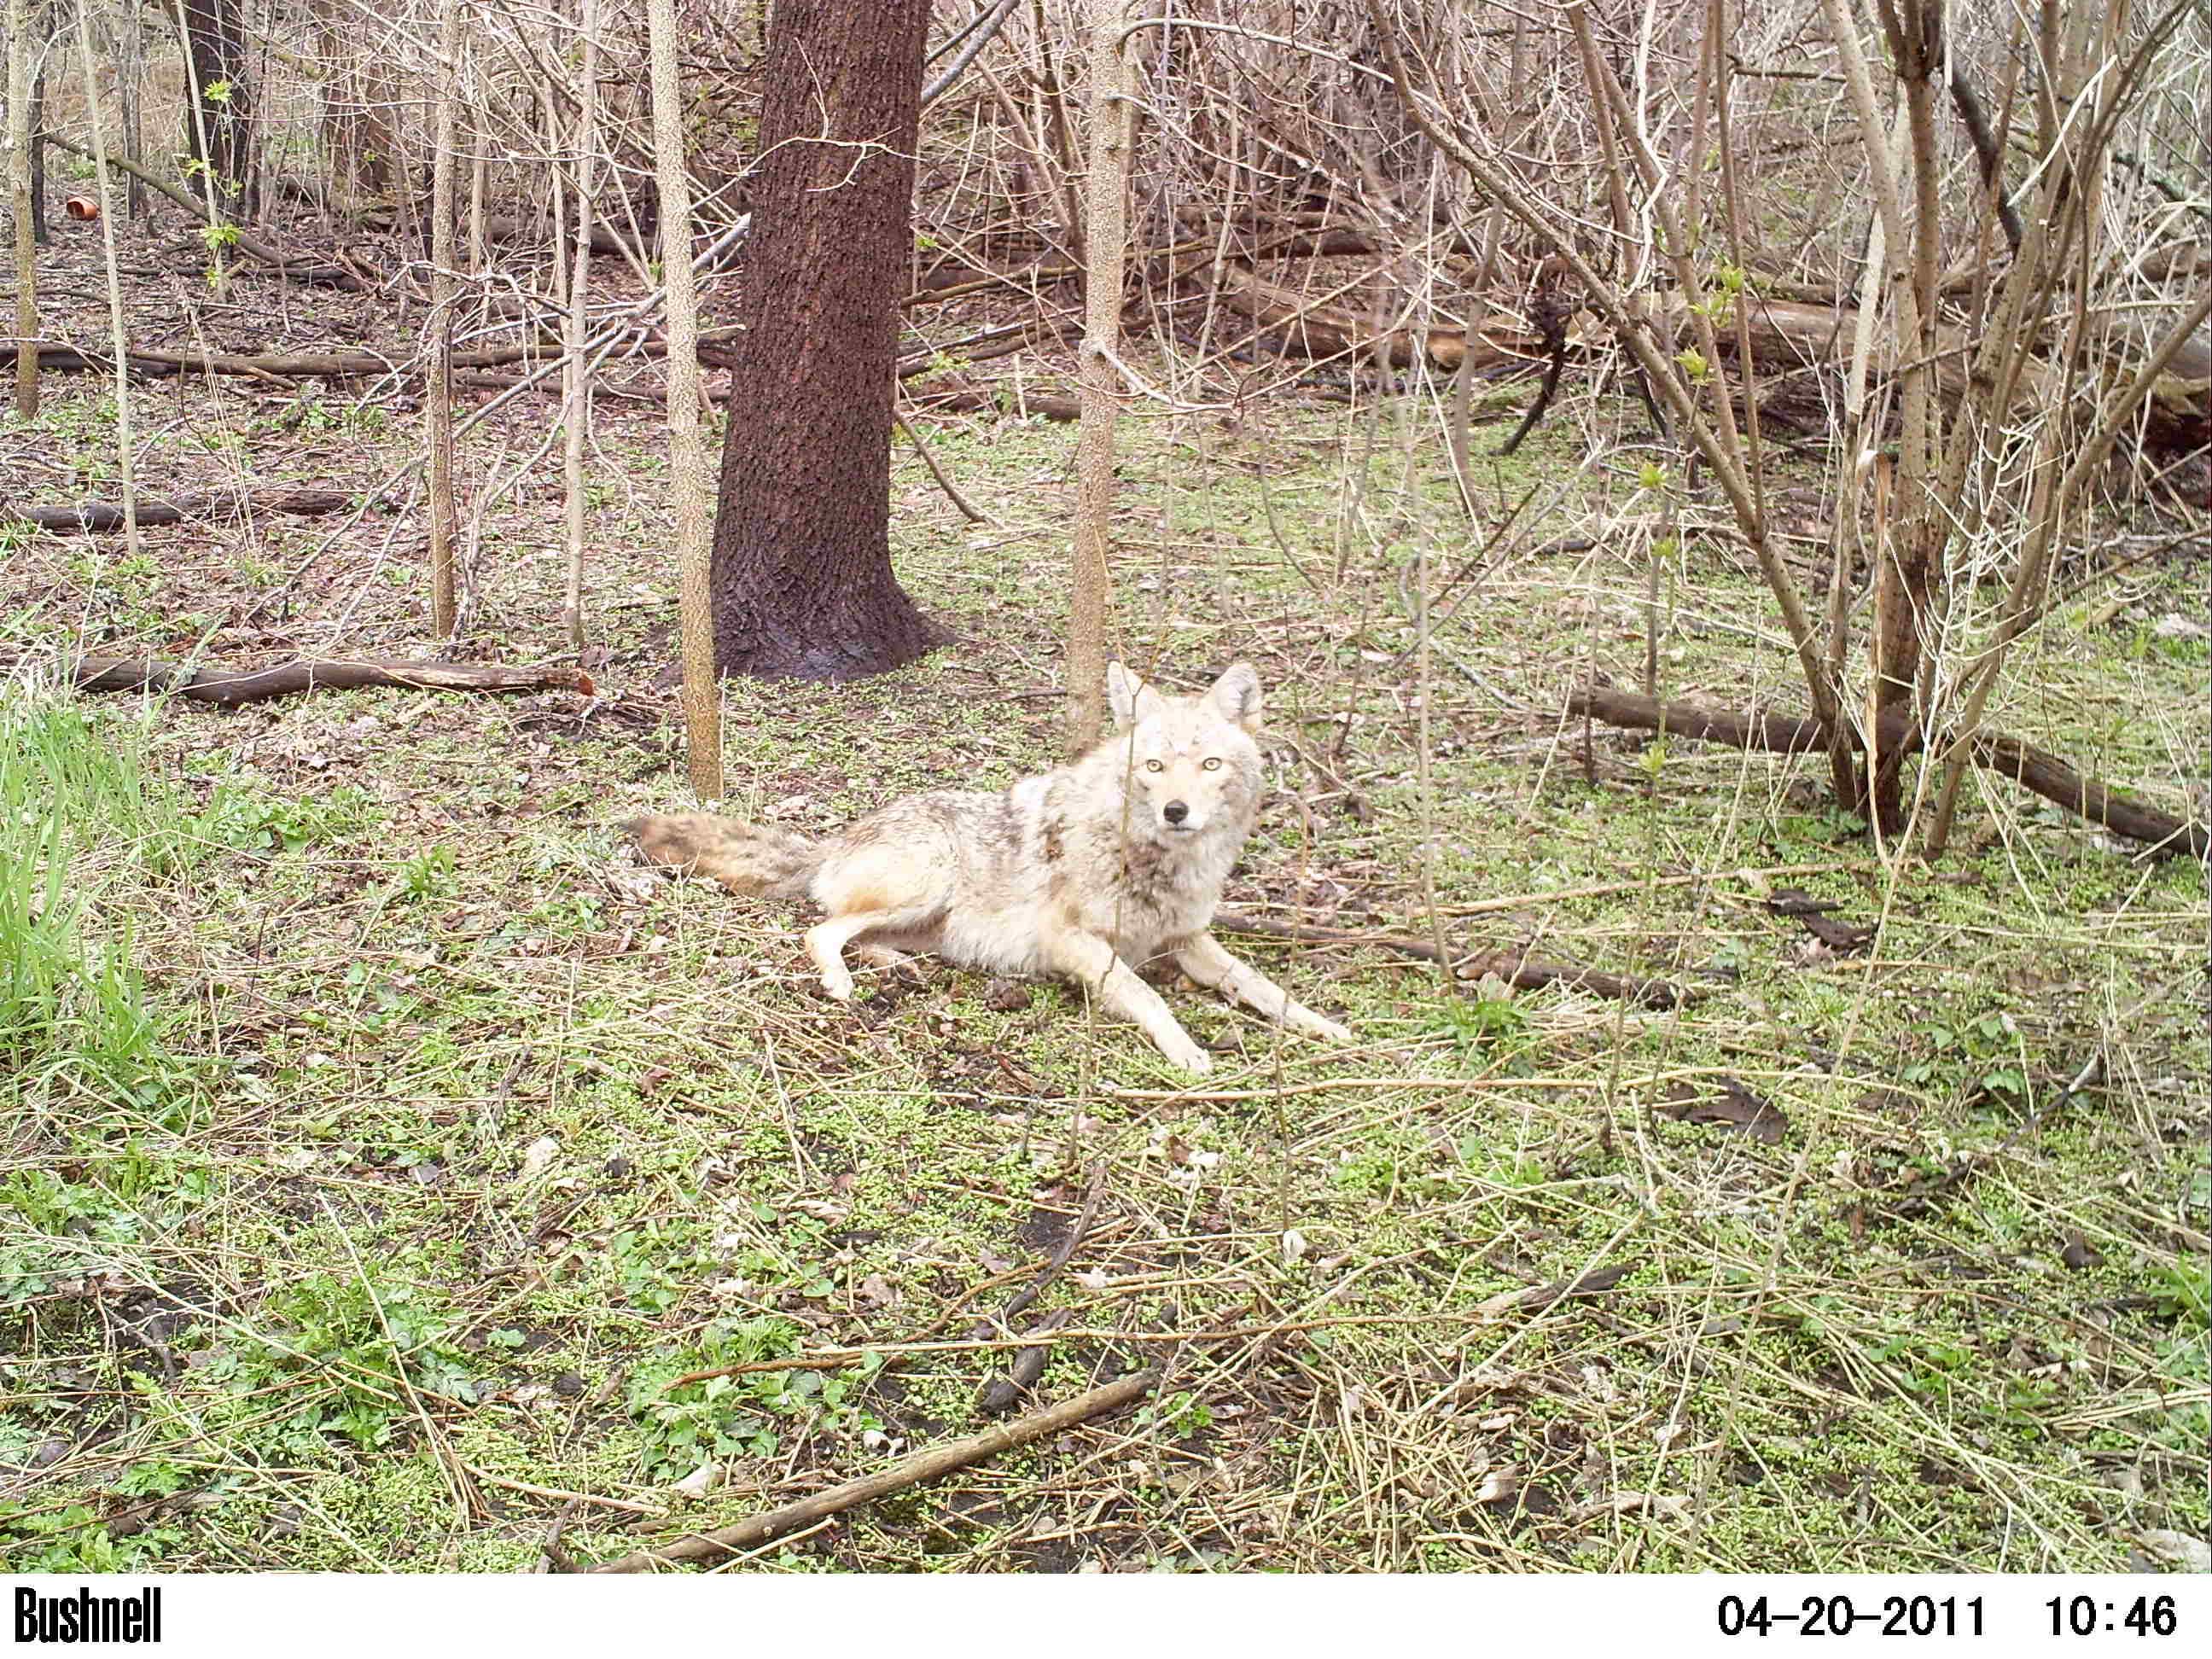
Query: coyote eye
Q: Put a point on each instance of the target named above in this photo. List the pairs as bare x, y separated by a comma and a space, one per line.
1152, 766
1212, 765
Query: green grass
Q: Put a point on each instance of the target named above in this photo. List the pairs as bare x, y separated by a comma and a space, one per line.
488, 1136
80, 821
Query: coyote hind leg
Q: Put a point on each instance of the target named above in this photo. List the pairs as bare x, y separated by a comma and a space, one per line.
826, 942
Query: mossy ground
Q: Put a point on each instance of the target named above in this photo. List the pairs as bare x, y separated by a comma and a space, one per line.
457, 1136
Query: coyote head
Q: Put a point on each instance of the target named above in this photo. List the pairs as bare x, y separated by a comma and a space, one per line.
1190, 762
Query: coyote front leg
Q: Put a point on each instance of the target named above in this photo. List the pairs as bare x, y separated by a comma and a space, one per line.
1090, 960
1202, 957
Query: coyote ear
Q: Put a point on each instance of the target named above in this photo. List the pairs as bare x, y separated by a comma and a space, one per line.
1236, 695
1129, 697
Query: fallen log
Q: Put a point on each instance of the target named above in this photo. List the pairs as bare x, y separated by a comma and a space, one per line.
2085, 797
1784, 335
1309, 328
318, 365
965, 403
230, 687
910, 1471
67, 360
106, 518
510, 228
2034, 770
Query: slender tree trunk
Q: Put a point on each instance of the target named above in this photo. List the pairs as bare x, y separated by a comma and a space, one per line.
479, 178
802, 577
576, 392
39, 233
19, 181
444, 522
703, 690
125, 445
1105, 236
131, 92
1910, 555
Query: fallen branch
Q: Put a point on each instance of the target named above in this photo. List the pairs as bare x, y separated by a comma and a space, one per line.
321, 365
105, 518
283, 679
1918, 1199
1526, 973
967, 403
910, 1471
1517, 968
1754, 728
2032, 768
1001, 1394
2087, 797
1537, 1297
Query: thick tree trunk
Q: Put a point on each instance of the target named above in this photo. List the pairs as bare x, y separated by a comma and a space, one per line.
802, 575
356, 133
214, 31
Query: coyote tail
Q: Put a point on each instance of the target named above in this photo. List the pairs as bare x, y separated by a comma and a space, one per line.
745, 858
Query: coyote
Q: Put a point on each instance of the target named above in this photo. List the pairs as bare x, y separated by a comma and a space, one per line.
1088, 871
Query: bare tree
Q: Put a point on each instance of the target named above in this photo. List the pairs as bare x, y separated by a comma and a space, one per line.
357, 135
1106, 242
802, 584
126, 448
444, 522
576, 406
19, 183
703, 692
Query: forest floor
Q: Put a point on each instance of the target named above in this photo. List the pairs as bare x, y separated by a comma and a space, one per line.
383, 1142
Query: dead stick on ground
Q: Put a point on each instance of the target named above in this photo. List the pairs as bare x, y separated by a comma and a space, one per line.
1060, 1257
999, 1395
968, 511
911, 1471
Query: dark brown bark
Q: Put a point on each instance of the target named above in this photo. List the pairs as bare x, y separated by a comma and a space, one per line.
215, 33
2060, 784
1901, 606
233, 687
801, 576
1043, 405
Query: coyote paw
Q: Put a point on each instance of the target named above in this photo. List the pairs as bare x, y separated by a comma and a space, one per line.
1190, 1057
1302, 1018
838, 984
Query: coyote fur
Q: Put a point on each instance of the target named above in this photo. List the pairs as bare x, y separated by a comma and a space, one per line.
1088, 871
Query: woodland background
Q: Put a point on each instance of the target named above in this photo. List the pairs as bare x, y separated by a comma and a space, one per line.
1716, 496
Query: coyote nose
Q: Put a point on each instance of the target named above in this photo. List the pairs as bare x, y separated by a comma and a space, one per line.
1175, 811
